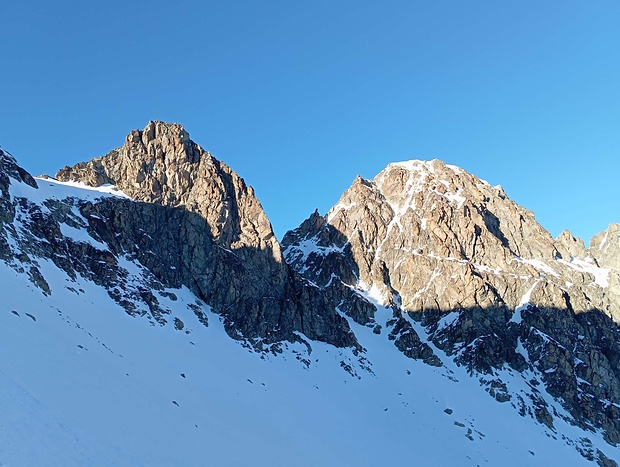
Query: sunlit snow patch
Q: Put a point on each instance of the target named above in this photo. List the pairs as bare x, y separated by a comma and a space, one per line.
523, 304
601, 275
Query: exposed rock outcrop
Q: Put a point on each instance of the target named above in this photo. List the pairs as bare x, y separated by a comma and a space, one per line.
605, 247
571, 247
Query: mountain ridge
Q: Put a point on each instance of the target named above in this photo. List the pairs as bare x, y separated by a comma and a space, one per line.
206, 231
426, 261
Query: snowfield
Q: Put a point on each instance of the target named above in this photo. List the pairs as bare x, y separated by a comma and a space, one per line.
83, 383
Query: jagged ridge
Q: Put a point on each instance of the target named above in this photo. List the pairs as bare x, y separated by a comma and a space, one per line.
193, 222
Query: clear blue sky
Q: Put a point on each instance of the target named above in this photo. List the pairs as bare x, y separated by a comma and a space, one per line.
300, 97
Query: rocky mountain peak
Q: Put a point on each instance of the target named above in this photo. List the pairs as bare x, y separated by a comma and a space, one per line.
162, 165
161, 141
570, 246
487, 283
187, 220
605, 247
438, 237
438, 191
10, 169
428, 216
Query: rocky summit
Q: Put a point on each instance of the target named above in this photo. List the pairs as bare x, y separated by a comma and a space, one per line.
425, 284
188, 220
487, 284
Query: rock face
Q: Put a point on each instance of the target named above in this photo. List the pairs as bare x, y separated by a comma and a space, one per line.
605, 248
569, 246
191, 221
161, 165
488, 285
10, 170
446, 240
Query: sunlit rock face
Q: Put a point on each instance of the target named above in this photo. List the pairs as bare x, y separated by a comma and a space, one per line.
489, 284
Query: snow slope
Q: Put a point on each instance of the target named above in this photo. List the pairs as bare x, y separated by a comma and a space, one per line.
86, 384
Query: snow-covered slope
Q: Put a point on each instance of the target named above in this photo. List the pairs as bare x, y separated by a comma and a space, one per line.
83, 383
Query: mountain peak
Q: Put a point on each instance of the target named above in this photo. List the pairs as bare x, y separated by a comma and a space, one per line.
162, 165
434, 244
426, 219
605, 247
224, 243
147, 166
159, 129
167, 135
9, 168
429, 166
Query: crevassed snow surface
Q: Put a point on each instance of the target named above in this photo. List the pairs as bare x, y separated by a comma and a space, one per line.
83, 383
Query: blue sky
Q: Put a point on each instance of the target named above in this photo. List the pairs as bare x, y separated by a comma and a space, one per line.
300, 97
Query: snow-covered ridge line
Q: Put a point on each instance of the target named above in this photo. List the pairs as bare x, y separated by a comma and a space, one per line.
428, 166
49, 188
106, 189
